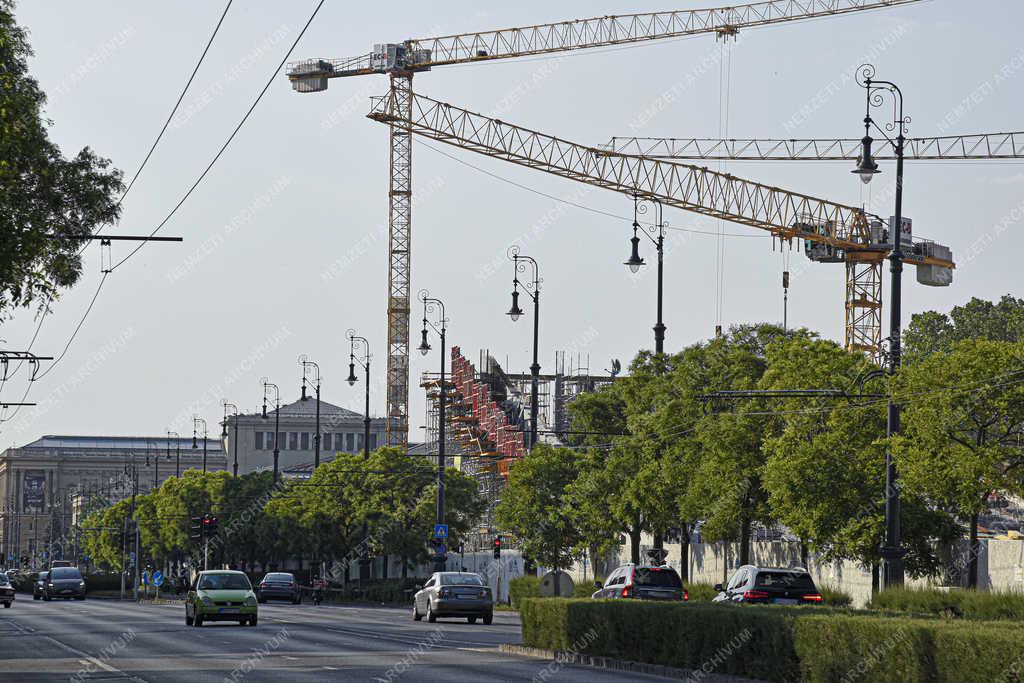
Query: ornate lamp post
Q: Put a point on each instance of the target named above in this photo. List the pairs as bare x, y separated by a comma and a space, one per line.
875, 92
532, 289
306, 365
277, 419
177, 450
635, 262
432, 305
195, 444
234, 439
354, 340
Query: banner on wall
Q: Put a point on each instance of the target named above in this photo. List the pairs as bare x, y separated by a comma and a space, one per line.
34, 490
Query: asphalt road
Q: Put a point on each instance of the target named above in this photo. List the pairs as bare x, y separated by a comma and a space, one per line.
110, 640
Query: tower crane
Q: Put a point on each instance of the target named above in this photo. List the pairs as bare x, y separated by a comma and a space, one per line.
832, 232
974, 146
400, 61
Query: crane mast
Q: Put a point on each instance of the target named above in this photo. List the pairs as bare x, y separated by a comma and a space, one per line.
403, 59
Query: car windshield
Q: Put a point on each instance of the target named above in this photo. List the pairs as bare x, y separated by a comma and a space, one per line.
655, 576
784, 579
3, 579
284, 578
213, 582
461, 580
65, 573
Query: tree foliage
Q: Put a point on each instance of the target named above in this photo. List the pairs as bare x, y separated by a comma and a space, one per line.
41, 192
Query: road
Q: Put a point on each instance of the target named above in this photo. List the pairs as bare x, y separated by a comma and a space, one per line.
112, 640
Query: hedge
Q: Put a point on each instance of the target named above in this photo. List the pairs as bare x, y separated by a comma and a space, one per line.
778, 643
955, 603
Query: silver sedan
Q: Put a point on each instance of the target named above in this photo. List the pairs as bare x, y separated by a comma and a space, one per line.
454, 594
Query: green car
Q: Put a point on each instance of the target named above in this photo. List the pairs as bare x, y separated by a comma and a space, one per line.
221, 596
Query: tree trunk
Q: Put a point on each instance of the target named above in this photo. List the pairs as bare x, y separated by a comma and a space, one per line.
875, 579
405, 568
684, 551
803, 554
745, 541
634, 545
973, 548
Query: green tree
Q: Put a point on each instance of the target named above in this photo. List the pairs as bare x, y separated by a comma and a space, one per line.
41, 192
536, 509
932, 332
963, 418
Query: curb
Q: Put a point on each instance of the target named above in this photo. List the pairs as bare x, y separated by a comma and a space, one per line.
562, 658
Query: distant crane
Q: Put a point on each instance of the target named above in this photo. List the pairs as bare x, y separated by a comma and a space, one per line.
400, 61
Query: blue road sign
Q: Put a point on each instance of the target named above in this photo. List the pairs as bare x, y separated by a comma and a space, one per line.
440, 531
145, 578
441, 550
158, 578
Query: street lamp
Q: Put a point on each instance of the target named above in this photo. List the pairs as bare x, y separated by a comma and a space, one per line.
431, 305
635, 262
277, 419
532, 290
306, 365
892, 551
353, 340
224, 432
195, 422
177, 450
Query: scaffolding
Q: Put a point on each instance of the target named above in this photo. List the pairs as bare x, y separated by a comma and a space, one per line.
487, 424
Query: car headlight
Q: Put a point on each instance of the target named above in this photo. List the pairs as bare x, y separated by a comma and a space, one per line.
205, 600
81, 584
250, 601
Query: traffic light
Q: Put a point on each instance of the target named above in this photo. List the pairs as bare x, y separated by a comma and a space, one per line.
209, 524
197, 528
497, 547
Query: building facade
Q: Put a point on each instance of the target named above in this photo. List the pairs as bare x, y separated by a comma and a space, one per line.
46, 482
341, 432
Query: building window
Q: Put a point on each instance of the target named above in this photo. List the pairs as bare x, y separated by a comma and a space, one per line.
293, 441
326, 445
360, 442
350, 439
304, 441
259, 441
373, 442
280, 443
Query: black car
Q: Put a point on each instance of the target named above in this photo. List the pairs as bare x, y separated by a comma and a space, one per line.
770, 586
64, 582
39, 585
6, 591
279, 586
643, 582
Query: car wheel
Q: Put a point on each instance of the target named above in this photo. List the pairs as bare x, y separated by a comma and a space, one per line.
252, 621
488, 618
7, 605
471, 620
416, 616
431, 617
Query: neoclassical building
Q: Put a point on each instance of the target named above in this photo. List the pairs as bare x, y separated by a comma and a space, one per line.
43, 483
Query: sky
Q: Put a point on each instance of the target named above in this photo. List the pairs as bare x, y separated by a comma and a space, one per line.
285, 243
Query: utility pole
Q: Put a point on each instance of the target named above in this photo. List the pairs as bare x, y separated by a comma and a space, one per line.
429, 304
306, 364
353, 338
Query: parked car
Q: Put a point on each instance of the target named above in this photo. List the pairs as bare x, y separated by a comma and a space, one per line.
770, 586
39, 585
643, 582
221, 596
454, 594
6, 591
64, 582
279, 586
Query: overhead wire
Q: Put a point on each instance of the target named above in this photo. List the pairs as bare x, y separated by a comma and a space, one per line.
201, 177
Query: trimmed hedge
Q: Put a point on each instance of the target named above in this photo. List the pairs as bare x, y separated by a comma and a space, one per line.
395, 591
701, 592
778, 643
956, 603
835, 598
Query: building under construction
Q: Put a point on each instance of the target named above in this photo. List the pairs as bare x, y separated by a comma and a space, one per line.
487, 418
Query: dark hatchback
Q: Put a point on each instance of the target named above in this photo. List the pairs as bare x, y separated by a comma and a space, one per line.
6, 590
64, 582
643, 582
279, 586
770, 586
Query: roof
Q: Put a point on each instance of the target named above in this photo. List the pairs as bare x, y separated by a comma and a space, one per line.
307, 408
108, 443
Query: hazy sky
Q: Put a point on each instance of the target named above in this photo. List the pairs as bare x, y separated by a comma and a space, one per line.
285, 242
